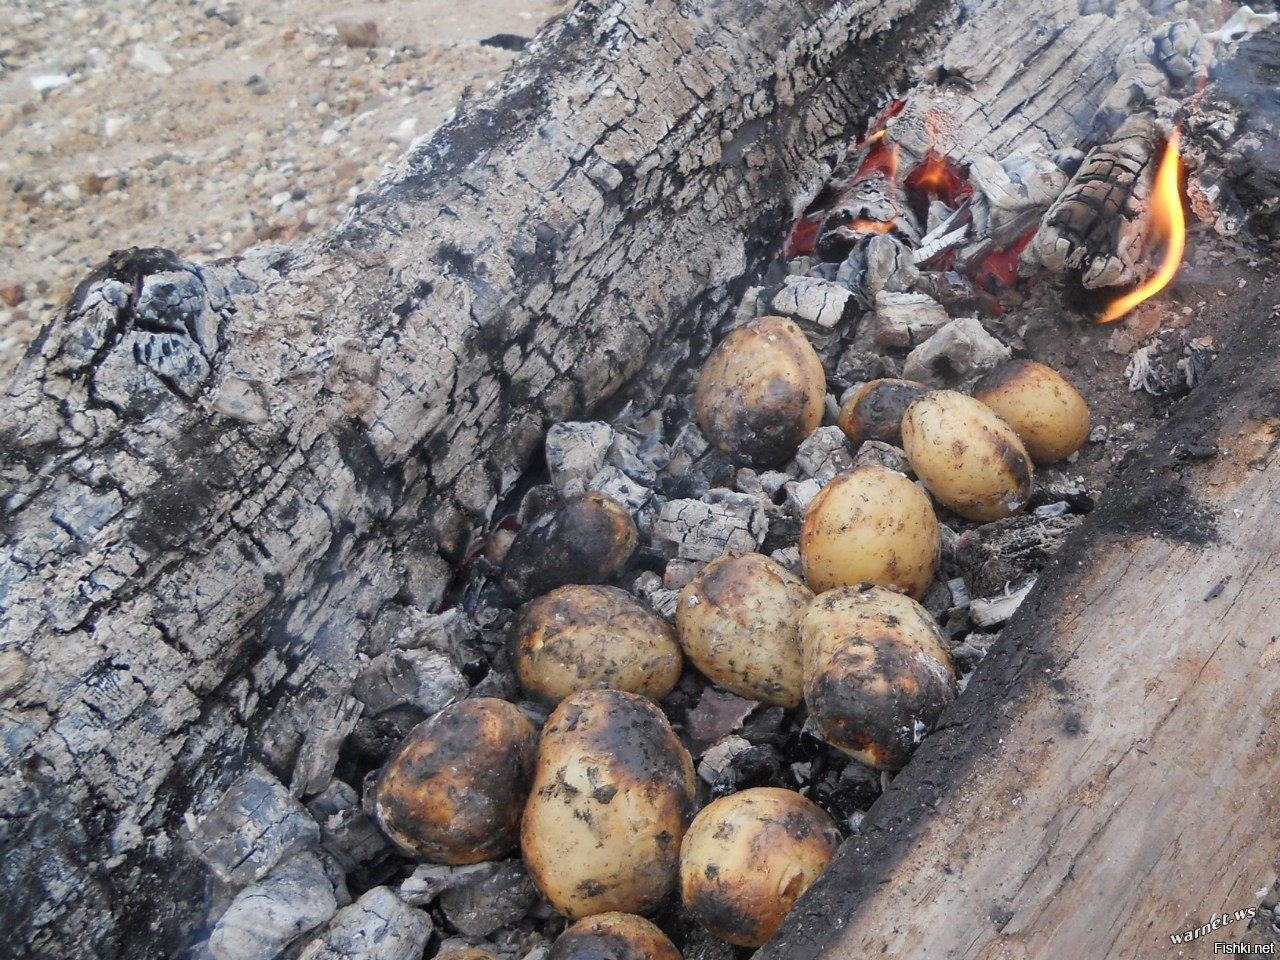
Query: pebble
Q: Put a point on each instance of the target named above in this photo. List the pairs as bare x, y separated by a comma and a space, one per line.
151, 60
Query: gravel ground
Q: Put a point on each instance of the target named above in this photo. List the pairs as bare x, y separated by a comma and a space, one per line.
208, 126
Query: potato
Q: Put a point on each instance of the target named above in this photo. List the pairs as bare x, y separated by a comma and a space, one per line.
456, 788
612, 795
870, 525
876, 673
583, 637
761, 392
748, 857
1045, 411
738, 622
586, 539
875, 411
966, 456
613, 936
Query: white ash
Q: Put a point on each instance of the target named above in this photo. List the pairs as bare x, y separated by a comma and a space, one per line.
747, 481
378, 926
429, 880
823, 454
613, 483
650, 588
818, 306
318, 755
992, 611
907, 319
960, 350
718, 759
881, 454
424, 679
252, 827
490, 899
721, 522
772, 481
974, 648
624, 453
882, 263
801, 493
347, 832
267, 916
576, 452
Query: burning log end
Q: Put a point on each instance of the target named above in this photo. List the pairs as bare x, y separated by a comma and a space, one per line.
1097, 226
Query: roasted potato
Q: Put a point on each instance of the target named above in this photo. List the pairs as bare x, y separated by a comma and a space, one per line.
870, 525
612, 795
613, 936
748, 857
876, 673
583, 637
1045, 411
455, 790
738, 622
762, 391
966, 456
875, 411
586, 539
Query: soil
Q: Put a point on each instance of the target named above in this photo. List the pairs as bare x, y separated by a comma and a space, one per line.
208, 126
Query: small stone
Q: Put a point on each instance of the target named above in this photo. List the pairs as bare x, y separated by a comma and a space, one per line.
823, 454
575, 453
490, 900
378, 926
12, 294
357, 33
150, 59
265, 917
722, 522
960, 350
255, 825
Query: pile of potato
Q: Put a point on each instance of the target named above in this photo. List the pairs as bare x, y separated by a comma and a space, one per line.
602, 802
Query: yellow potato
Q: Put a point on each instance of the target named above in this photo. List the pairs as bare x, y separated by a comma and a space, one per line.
612, 795
613, 936
456, 788
738, 622
761, 392
875, 411
876, 673
1045, 411
584, 637
748, 857
966, 456
870, 525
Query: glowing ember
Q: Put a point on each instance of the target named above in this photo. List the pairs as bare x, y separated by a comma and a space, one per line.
1166, 221
935, 177
862, 225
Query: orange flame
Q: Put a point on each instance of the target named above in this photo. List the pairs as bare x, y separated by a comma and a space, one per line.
1166, 221
871, 226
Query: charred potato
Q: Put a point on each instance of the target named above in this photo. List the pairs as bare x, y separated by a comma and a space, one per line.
738, 622
613, 936
1045, 411
583, 637
612, 795
587, 539
966, 456
748, 857
875, 411
876, 673
455, 790
761, 392
870, 525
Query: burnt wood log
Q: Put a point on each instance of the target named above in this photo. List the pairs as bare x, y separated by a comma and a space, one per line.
1111, 776
224, 482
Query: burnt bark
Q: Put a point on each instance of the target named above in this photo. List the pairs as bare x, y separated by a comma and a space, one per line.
224, 482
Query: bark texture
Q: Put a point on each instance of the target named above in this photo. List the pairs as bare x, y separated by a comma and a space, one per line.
225, 482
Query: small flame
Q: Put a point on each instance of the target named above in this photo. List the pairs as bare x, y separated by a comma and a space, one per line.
862, 225
1166, 221
935, 177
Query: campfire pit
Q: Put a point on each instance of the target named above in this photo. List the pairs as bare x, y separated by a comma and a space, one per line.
256, 511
